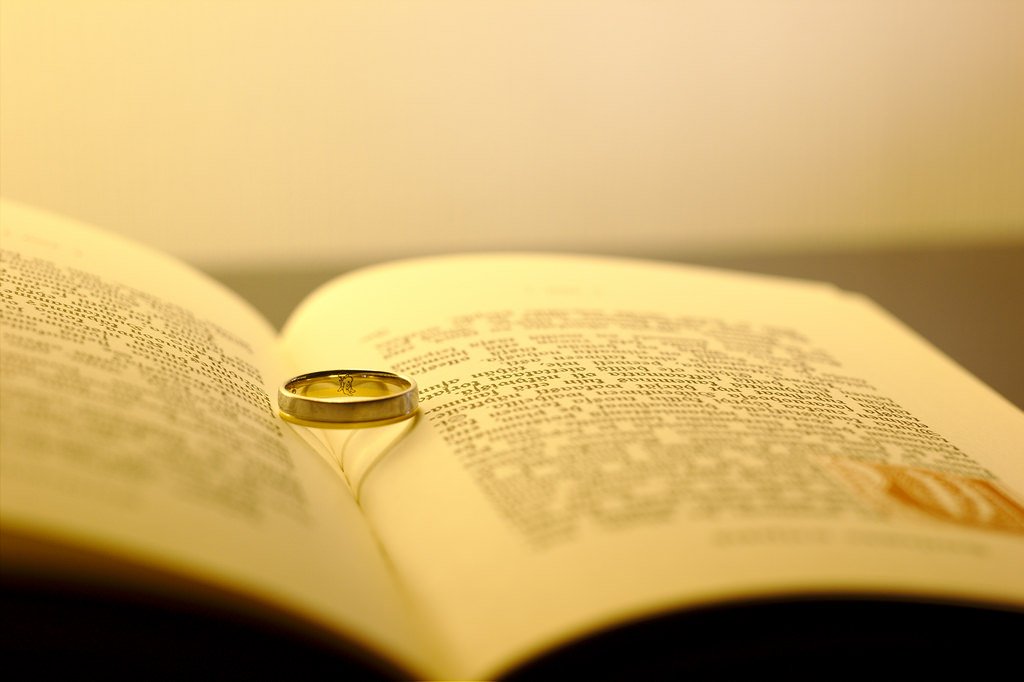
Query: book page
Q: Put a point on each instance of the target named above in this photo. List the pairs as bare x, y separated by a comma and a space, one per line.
602, 439
137, 423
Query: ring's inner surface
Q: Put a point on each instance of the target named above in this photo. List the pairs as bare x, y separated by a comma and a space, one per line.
343, 388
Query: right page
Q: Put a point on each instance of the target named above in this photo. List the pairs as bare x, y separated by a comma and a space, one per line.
602, 439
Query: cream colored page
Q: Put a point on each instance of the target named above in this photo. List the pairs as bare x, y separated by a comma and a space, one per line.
603, 439
136, 421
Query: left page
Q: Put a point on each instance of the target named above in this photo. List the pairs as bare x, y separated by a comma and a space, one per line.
137, 425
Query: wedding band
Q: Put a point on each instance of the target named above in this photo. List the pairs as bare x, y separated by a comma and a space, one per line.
348, 396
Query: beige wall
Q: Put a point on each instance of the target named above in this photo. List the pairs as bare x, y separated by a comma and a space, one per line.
265, 131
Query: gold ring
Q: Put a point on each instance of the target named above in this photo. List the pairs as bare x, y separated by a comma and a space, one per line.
347, 396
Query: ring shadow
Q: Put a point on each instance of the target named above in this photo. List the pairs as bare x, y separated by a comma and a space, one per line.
355, 450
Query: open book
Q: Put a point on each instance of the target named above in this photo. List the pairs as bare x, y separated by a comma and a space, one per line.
600, 442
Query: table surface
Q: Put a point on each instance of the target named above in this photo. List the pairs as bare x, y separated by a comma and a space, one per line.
965, 301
